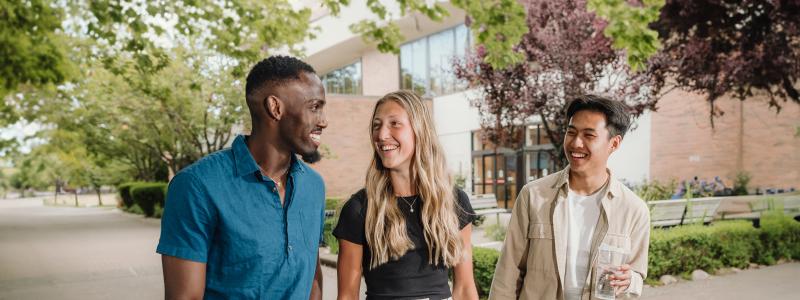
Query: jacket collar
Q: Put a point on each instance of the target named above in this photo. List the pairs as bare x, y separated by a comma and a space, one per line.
613, 187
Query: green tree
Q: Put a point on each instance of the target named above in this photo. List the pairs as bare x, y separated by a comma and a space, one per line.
4, 183
31, 49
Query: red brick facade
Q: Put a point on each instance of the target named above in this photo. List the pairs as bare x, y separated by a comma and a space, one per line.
347, 143
761, 142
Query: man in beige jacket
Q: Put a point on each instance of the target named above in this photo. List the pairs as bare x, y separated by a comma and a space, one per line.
559, 221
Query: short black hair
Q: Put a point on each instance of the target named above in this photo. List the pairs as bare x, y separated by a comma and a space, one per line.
618, 117
275, 69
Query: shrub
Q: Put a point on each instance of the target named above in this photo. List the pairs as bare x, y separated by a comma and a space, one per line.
484, 261
681, 250
125, 193
780, 238
655, 190
328, 238
333, 203
134, 209
740, 183
496, 232
147, 195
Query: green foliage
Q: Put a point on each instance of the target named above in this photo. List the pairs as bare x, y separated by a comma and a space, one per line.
135, 209
655, 190
682, 249
484, 261
460, 181
240, 29
328, 238
124, 191
333, 203
31, 52
628, 27
780, 238
496, 232
740, 183
498, 25
387, 35
149, 194
158, 211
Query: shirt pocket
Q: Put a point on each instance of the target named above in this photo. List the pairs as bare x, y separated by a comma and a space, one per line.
618, 240
540, 242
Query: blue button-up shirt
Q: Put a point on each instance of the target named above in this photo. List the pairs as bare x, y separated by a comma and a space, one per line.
223, 212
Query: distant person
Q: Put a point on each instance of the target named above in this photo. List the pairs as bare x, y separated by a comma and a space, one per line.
560, 221
409, 226
246, 222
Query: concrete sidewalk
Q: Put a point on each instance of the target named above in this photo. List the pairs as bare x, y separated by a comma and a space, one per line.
774, 282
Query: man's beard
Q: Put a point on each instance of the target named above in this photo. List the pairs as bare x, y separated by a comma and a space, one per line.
311, 157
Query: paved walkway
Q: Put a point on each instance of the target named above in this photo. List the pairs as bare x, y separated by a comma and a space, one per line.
51, 252
76, 253
775, 282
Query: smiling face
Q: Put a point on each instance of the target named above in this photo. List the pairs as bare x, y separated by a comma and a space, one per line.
393, 136
301, 128
587, 143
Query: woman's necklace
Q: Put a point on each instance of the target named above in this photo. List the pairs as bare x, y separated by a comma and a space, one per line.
411, 205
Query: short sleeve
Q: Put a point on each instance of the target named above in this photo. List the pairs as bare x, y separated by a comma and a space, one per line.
464, 209
187, 224
351, 220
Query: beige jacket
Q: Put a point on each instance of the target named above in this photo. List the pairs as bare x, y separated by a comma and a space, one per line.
532, 262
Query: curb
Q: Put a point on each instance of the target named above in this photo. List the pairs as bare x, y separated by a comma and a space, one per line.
327, 259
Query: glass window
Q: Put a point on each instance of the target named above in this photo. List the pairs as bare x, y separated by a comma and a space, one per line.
477, 175
511, 176
345, 80
426, 64
536, 135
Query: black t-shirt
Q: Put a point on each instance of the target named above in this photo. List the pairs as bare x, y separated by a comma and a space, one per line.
411, 276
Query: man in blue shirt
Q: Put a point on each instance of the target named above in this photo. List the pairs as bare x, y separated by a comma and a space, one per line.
245, 222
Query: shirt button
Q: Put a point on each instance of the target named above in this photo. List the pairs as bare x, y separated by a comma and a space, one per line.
274, 189
290, 247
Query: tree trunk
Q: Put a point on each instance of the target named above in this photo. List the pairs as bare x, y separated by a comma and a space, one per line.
76, 197
99, 199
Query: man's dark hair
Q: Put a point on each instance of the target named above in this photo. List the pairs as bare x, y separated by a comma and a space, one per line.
275, 69
618, 118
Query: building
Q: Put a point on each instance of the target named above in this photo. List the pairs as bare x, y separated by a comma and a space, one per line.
674, 143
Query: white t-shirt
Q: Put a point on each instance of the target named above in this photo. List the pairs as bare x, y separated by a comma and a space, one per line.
583, 212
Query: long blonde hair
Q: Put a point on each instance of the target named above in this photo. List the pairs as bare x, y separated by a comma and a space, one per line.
385, 228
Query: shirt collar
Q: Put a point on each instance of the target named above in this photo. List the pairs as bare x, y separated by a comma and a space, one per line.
612, 188
246, 164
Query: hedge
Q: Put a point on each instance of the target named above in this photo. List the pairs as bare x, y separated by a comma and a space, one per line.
328, 238
683, 249
483, 264
125, 193
148, 195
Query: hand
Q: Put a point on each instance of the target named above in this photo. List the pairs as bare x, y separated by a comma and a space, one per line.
621, 279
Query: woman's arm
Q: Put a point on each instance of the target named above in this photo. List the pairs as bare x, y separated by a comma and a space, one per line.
464, 281
348, 269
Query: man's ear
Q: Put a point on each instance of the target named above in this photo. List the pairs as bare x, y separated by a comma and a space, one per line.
615, 143
274, 107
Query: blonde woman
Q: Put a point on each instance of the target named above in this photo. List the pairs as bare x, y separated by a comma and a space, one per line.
409, 226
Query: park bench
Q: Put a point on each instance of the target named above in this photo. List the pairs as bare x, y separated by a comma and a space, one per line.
485, 204
789, 203
665, 213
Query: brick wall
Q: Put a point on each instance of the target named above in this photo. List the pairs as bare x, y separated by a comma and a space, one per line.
348, 143
758, 140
